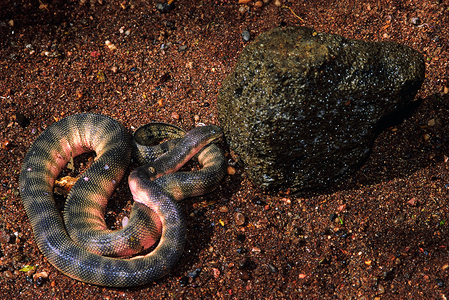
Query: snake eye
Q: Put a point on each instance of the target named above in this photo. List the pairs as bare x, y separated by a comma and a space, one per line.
151, 170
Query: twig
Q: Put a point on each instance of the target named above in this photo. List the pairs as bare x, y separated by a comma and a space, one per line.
284, 6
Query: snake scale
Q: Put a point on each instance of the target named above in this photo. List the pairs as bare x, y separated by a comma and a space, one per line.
156, 188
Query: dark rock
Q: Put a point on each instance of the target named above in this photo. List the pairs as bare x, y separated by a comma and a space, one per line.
272, 268
246, 35
195, 273
302, 108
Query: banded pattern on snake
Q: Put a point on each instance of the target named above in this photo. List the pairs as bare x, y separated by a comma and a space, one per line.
154, 185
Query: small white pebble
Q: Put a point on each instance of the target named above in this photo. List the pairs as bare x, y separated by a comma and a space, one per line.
110, 45
243, 9
255, 250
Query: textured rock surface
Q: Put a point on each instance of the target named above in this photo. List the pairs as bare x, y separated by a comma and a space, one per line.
301, 108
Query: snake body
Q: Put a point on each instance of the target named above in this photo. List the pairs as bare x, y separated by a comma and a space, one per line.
154, 185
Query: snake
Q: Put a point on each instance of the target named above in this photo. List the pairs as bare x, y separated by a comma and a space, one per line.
156, 187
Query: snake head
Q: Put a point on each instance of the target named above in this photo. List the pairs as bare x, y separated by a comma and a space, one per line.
151, 171
147, 172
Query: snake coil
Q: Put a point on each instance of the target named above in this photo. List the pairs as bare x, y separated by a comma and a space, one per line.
154, 186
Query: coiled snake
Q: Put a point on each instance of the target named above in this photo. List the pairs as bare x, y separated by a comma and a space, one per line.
154, 185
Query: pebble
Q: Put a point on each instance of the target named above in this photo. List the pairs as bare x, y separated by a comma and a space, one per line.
286, 201
195, 273
258, 4
239, 219
243, 9
7, 274
175, 115
40, 278
231, 170
246, 35
255, 250
223, 209
446, 90
94, 54
6, 145
240, 251
341, 207
4, 237
272, 268
277, 2
415, 21
412, 202
216, 273
110, 45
